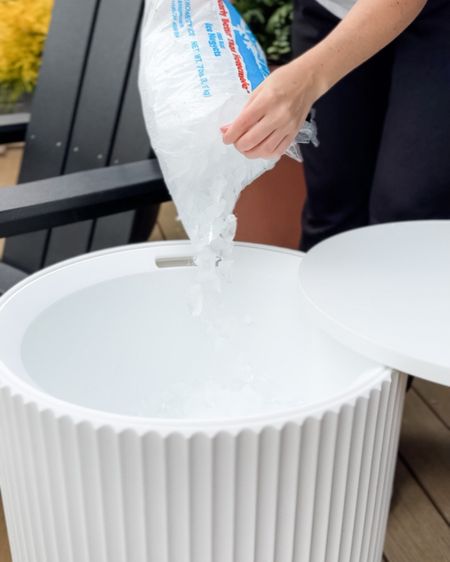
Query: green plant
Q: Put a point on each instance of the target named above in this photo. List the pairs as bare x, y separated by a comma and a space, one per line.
23, 29
270, 21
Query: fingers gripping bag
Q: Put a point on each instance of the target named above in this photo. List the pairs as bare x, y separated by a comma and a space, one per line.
199, 64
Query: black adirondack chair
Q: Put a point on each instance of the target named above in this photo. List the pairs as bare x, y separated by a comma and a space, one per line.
89, 179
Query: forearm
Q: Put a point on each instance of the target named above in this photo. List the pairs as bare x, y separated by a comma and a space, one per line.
368, 27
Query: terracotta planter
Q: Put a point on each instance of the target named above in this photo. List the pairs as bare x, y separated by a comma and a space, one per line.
269, 210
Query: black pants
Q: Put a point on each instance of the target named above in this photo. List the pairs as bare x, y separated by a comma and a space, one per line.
384, 130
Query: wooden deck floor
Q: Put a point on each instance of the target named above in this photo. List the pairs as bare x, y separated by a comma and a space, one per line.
419, 524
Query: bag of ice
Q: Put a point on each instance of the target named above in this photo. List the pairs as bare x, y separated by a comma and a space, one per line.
199, 64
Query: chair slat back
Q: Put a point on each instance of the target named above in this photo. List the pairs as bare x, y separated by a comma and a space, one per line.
130, 144
86, 114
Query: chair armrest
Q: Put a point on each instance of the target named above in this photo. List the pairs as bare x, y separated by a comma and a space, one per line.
81, 196
13, 127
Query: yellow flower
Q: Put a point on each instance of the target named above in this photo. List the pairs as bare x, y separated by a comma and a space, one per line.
23, 29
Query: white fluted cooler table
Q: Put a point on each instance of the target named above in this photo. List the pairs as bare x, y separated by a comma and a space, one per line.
89, 472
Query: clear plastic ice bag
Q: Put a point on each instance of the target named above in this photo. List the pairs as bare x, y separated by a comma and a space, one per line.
199, 64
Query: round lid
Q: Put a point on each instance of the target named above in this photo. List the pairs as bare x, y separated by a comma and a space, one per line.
384, 291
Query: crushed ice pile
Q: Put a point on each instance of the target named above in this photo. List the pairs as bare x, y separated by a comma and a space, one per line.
231, 385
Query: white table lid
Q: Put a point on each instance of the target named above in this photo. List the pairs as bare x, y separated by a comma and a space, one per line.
384, 291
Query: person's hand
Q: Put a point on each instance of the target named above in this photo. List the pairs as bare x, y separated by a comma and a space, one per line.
277, 109
275, 112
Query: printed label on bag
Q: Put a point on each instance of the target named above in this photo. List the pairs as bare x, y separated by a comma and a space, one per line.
230, 35
249, 57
